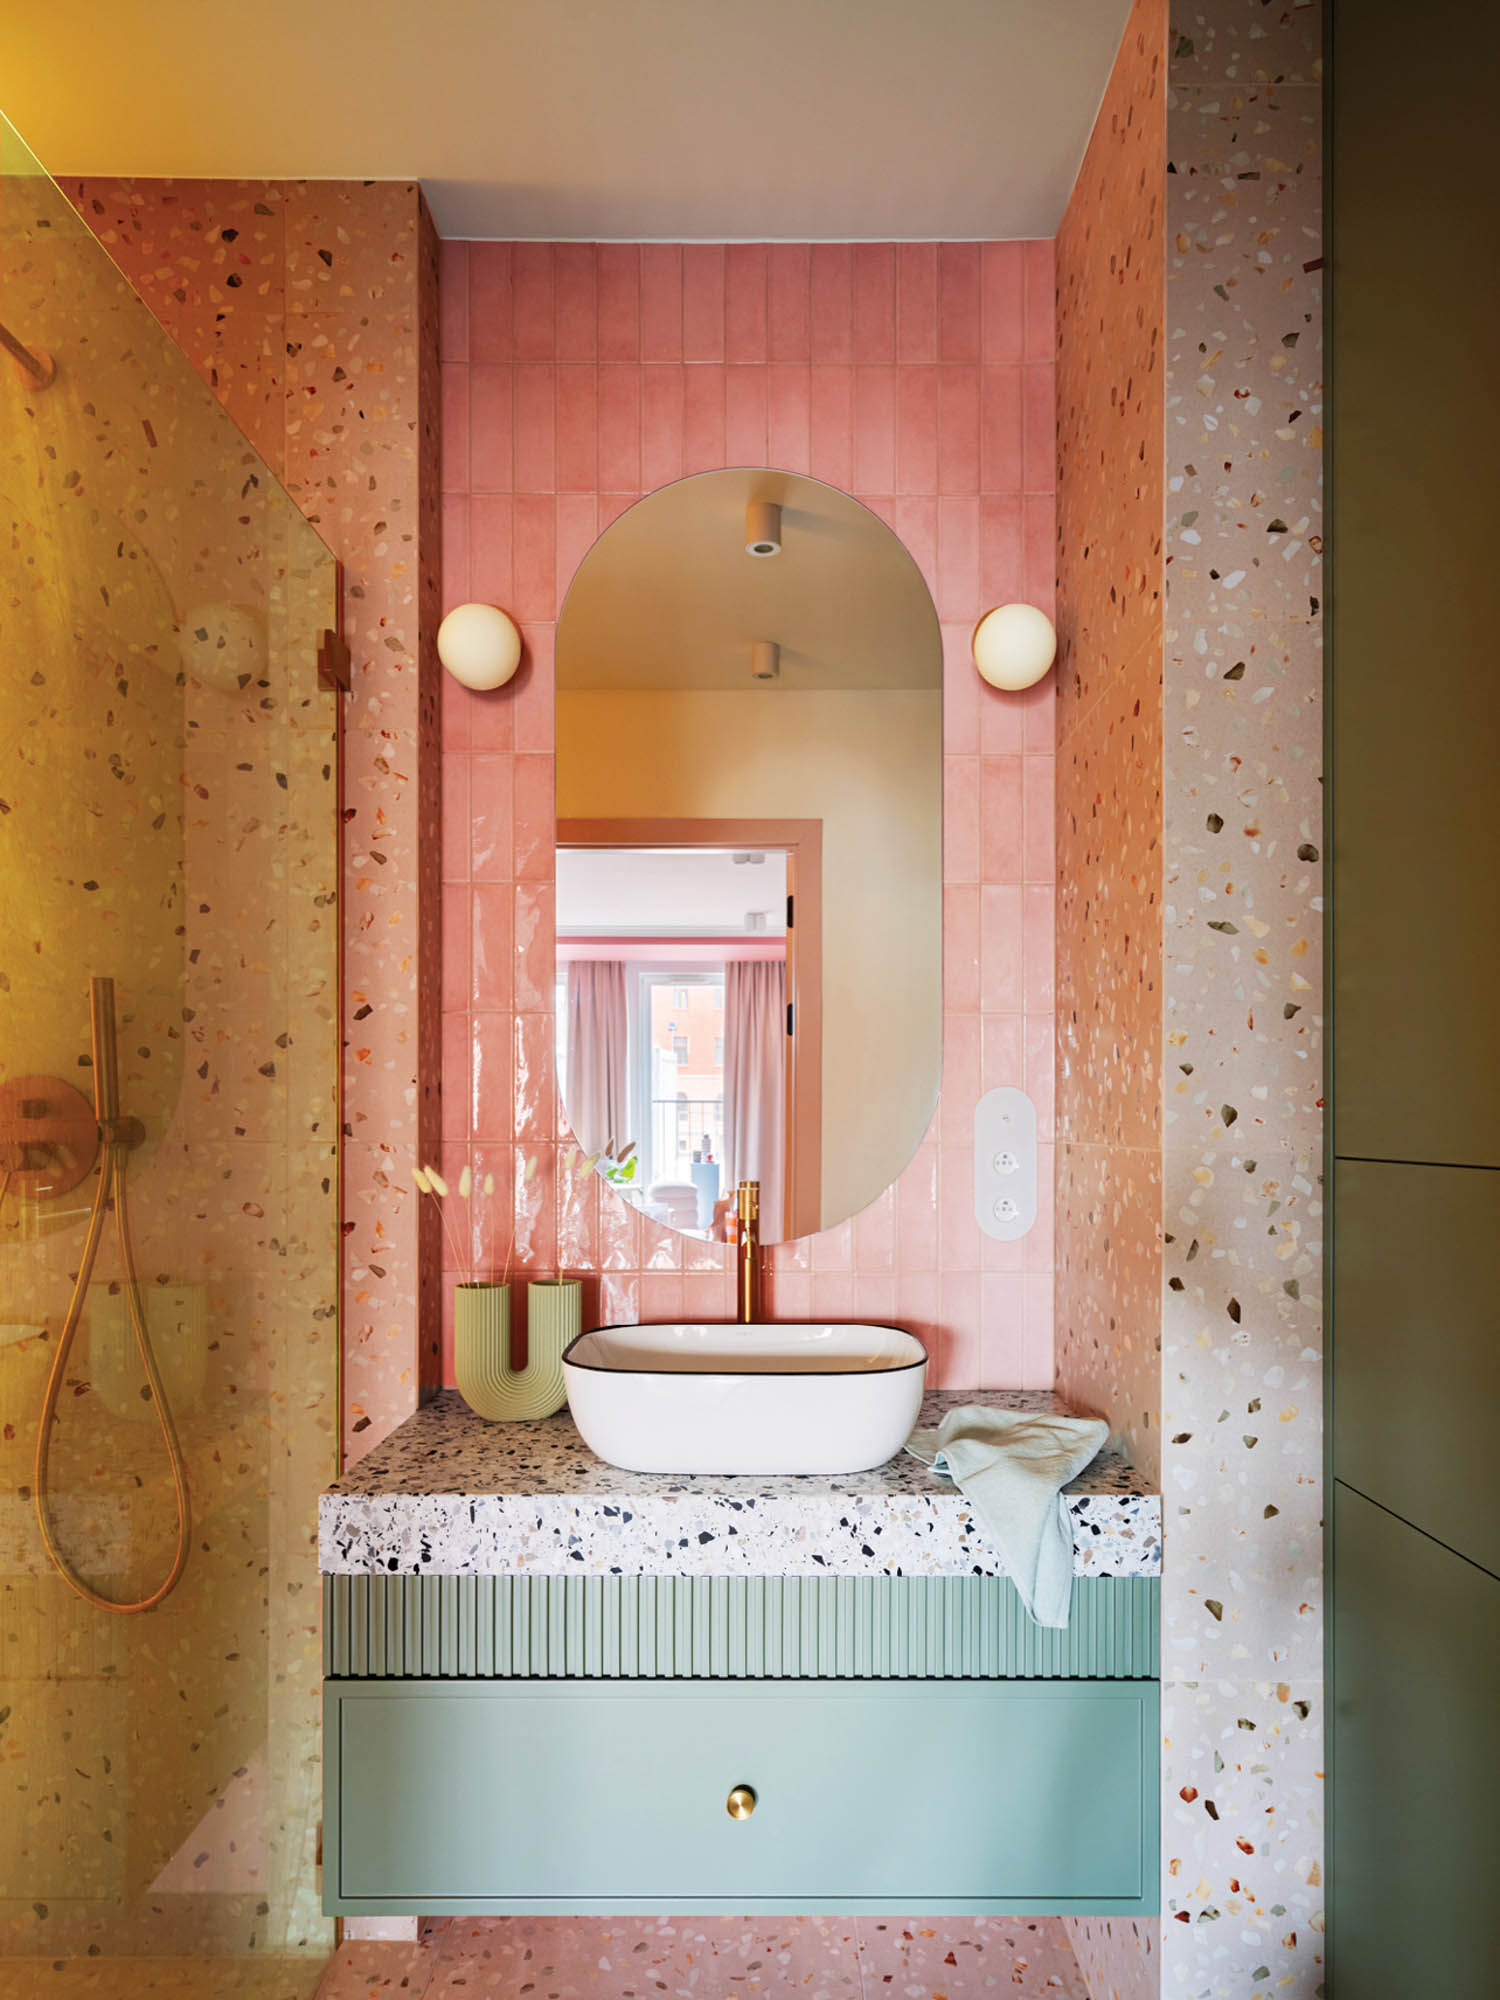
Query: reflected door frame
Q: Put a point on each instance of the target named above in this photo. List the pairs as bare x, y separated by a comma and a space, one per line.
801, 841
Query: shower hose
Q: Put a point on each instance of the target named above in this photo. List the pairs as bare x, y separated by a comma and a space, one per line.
117, 1136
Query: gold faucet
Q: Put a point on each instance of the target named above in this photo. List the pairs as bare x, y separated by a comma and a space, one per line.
747, 1236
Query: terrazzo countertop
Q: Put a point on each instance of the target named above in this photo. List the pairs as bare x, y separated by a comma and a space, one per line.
447, 1494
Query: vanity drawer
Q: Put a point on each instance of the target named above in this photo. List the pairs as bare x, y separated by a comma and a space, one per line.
515, 1796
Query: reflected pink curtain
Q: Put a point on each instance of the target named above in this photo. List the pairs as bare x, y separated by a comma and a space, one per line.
594, 1091
755, 1084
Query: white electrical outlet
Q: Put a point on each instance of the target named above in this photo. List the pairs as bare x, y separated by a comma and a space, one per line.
1005, 1164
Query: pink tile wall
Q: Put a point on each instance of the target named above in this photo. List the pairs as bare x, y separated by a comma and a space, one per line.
919, 377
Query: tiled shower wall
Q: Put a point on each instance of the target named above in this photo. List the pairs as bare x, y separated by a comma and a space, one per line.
918, 377
1189, 846
310, 309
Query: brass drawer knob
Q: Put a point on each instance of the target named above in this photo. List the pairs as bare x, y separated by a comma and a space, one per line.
740, 1803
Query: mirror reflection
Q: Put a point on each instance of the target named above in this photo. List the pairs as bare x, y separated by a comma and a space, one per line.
749, 883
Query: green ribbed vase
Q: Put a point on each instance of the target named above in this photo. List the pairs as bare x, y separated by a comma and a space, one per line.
491, 1387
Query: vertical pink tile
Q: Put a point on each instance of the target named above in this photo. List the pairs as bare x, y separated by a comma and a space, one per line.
535, 1083
1038, 1322
489, 798
619, 429
703, 302
958, 430
958, 555
1039, 519
661, 1248
1002, 291
535, 427
1002, 559
491, 570
534, 818
577, 429
916, 302
832, 303
707, 1296
1001, 988
456, 814
577, 1223
703, 418
619, 282
874, 430
1001, 1308
455, 578
453, 301
745, 416
661, 302
1039, 430
788, 417
458, 927
832, 441
1040, 804
961, 692
961, 1347
1038, 946
455, 392
661, 1298
492, 715
491, 428
535, 556
492, 920
577, 530
661, 424
745, 302
1000, 818
959, 1238
1036, 1245
960, 819
833, 1249
1000, 425
875, 1235
874, 332
577, 302
958, 302
619, 1233
916, 430
1041, 300
489, 302
916, 1213
832, 1296
532, 705
534, 935
535, 1208
455, 1120
533, 291
1002, 1052
492, 1097
791, 1295
961, 946
960, 1086
1041, 1072
788, 302
1040, 706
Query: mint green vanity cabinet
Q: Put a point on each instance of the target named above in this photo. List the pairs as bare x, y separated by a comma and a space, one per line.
513, 1796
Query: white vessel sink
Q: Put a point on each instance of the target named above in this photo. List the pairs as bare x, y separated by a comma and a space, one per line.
735, 1399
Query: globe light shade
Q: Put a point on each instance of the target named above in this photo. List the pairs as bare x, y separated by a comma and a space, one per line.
1014, 646
479, 646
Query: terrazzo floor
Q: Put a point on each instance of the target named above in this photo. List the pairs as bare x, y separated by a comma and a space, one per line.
717, 1958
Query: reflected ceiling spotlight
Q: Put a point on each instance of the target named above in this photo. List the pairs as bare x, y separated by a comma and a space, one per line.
763, 528
765, 659
479, 645
1014, 645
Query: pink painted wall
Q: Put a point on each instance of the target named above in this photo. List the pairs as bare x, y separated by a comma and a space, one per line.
918, 377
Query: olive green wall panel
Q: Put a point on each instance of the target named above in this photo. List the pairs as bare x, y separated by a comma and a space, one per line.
1416, 1752
458, 1627
576, 1796
1418, 1371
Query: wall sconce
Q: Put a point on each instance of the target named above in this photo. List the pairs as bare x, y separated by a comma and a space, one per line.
479, 645
1014, 645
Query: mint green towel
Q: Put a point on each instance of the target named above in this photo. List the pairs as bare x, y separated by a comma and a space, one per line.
1012, 1467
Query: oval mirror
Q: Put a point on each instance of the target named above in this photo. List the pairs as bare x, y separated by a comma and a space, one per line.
749, 866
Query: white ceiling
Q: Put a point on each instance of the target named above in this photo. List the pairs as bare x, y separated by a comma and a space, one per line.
681, 120
668, 598
667, 892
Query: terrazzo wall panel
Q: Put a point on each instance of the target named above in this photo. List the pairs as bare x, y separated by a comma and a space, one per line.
310, 310
1242, 1099
918, 377
1110, 387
